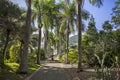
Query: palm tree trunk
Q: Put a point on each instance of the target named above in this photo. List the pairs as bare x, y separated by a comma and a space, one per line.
39, 46
79, 35
57, 47
67, 44
24, 61
21, 50
5, 47
45, 42
60, 45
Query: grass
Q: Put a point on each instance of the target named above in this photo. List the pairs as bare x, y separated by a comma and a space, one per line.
9, 71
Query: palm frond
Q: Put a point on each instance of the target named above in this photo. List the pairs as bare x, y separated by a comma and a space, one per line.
97, 3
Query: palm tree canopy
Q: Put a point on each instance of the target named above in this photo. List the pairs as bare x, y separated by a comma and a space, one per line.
97, 3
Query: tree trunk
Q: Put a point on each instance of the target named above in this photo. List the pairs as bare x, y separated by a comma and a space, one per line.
39, 46
24, 61
45, 42
67, 44
57, 47
5, 47
60, 45
79, 35
21, 50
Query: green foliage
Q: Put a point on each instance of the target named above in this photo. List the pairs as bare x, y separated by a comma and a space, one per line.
33, 67
13, 66
32, 57
116, 15
9, 16
107, 26
8, 9
72, 56
100, 43
89, 41
10, 69
43, 56
62, 59
14, 52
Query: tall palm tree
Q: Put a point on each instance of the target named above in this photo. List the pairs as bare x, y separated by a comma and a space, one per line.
79, 5
68, 20
45, 12
50, 11
37, 14
58, 32
24, 61
79, 32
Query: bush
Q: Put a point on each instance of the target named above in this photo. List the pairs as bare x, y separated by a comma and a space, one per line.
14, 52
43, 56
72, 57
32, 57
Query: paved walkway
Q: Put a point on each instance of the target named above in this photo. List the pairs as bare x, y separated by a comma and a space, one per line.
51, 71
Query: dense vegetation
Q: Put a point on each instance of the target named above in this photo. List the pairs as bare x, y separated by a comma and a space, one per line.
21, 35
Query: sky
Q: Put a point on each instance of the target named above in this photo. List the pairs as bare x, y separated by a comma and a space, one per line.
100, 14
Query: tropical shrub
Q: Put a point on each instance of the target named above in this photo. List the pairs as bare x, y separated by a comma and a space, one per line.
32, 57
14, 52
43, 56
72, 56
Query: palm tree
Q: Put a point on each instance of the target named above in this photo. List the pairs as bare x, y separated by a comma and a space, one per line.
68, 20
79, 5
59, 33
51, 44
24, 61
37, 14
8, 18
51, 9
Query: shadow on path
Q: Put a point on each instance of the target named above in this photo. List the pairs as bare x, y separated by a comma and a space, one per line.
50, 71
61, 71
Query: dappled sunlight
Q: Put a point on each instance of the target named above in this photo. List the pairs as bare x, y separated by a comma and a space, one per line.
59, 40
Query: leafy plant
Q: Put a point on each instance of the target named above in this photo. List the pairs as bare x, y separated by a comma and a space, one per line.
14, 52
72, 56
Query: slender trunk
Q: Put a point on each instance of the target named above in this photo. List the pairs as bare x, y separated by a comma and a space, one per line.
67, 44
39, 40
79, 36
21, 51
24, 61
60, 45
5, 46
118, 71
45, 42
58, 50
6, 43
57, 47
39, 46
